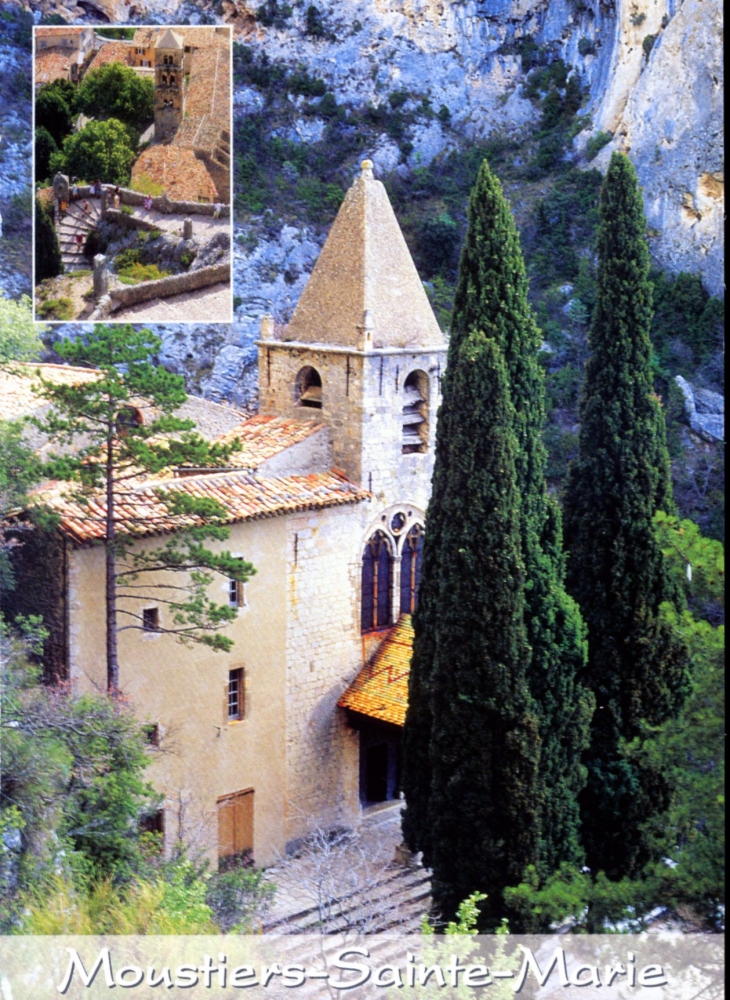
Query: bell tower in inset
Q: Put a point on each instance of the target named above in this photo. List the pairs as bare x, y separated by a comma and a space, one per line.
169, 85
363, 351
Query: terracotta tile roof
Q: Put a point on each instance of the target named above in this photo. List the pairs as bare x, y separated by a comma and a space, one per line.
263, 437
142, 512
111, 52
144, 38
60, 32
180, 173
17, 398
51, 65
380, 690
209, 87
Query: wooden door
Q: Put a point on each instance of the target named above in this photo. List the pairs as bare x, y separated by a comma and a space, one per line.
235, 824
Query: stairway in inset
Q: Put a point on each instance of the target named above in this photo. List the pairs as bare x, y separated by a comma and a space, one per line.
77, 221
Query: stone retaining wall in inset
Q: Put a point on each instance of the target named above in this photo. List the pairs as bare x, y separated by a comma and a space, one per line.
175, 284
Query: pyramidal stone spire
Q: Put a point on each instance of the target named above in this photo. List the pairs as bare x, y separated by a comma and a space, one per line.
365, 278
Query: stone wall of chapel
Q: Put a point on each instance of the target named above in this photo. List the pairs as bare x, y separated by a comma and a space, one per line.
362, 401
392, 476
342, 386
324, 654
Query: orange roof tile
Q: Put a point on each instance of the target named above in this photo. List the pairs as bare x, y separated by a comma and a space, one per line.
263, 437
17, 398
178, 171
142, 511
52, 65
111, 52
60, 31
380, 690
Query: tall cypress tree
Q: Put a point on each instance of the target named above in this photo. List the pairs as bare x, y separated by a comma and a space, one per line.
473, 808
636, 666
491, 296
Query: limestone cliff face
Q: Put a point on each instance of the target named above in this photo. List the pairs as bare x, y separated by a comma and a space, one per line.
662, 101
666, 112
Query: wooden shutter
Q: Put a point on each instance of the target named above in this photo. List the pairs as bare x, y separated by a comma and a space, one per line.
235, 823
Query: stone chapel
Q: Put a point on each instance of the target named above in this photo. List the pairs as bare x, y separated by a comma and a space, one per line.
299, 725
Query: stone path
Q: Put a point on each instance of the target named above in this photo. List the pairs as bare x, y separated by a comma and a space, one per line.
206, 305
350, 881
203, 225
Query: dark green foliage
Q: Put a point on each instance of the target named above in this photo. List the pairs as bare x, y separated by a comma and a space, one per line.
314, 24
471, 786
685, 312
596, 143
48, 261
52, 112
648, 44
116, 91
73, 768
101, 149
45, 146
438, 243
492, 295
125, 34
586, 46
637, 667
273, 14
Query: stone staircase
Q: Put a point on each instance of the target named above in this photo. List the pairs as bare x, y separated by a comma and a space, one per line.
360, 885
77, 221
396, 902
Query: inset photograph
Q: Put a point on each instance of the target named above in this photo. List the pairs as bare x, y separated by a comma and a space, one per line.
133, 174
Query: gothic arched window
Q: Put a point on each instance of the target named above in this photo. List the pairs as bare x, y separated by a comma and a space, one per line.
172, 80
377, 574
410, 569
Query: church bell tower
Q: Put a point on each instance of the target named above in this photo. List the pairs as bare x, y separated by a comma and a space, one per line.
363, 351
169, 85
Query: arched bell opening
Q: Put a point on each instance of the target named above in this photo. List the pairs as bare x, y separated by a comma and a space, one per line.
308, 388
415, 413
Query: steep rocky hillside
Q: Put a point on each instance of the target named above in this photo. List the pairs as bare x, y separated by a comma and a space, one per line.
545, 88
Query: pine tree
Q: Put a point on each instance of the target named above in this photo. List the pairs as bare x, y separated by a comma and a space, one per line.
636, 665
107, 449
491, 296
476, 815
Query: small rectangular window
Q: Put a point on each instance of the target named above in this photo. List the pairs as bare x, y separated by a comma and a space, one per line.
236, 595
235, 694
152, 734
151, 619
153, 822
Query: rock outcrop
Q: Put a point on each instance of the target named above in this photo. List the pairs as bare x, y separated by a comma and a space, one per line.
705, 411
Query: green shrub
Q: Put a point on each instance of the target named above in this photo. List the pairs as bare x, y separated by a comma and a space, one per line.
586, 46
314, 24
273, 14
126, 258
648, 44
133, 274
444, 115
596, 143
61, 309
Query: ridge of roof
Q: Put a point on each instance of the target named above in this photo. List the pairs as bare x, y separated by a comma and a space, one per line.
169, 40
365, 277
